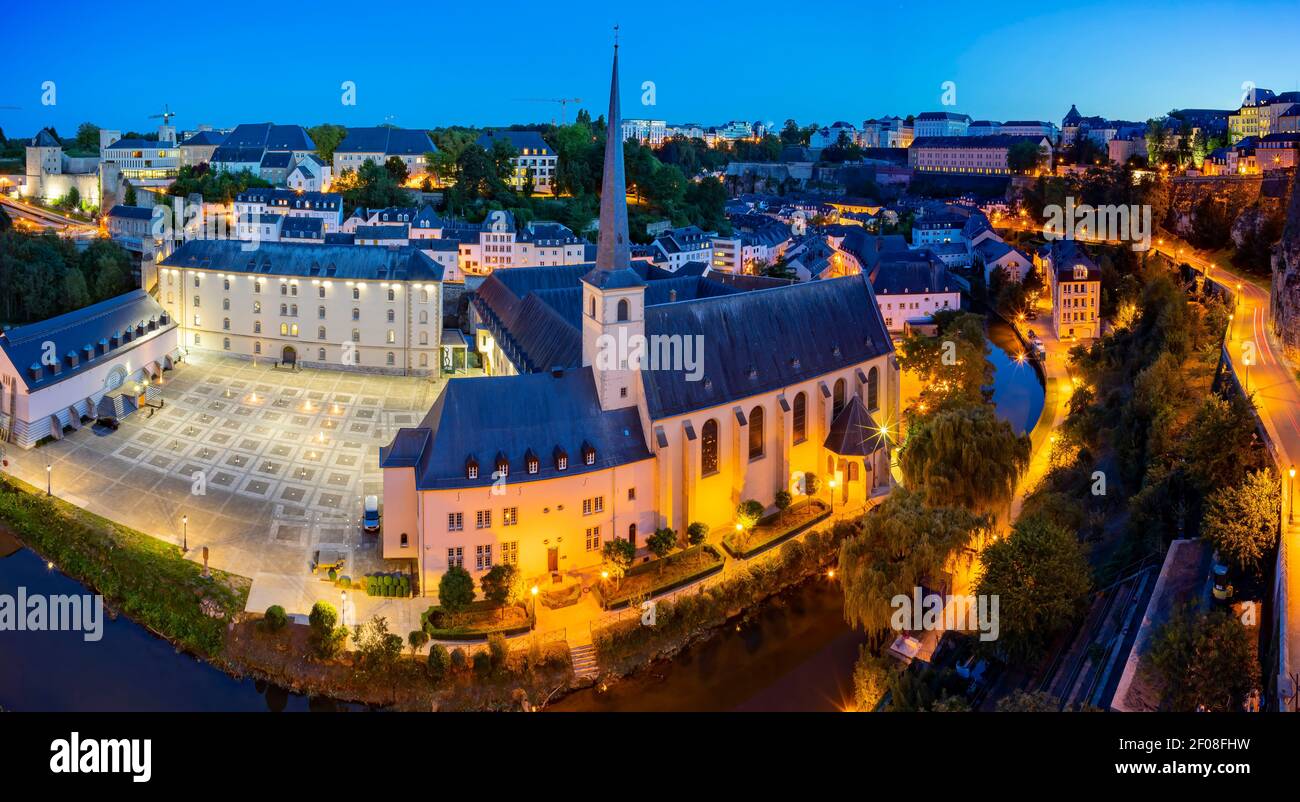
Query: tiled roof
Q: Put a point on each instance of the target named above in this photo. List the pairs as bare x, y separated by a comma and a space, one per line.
387, 140
324, 261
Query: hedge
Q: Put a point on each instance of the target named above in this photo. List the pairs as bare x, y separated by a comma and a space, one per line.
618, 599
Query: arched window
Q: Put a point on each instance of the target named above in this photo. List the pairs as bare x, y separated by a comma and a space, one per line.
853, 470
873, 389
424, 338
591, 307
424, 316
631, 534
800, 418
392, 359
756, 433
837, 398
624, 310
709, 448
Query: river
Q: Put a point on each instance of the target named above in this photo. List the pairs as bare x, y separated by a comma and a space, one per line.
792, 654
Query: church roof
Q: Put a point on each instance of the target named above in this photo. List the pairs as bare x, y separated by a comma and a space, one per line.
853, 432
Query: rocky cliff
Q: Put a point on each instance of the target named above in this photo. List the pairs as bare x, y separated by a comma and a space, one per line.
1285, 298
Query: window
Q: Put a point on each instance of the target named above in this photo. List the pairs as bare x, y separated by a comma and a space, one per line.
226, 284
510, 552
257, 285
424, 316
284, 310
837, 398
800, 423
257, 327
456, 557
873, 389
391, 359
320, 354
483, 519
225, 343
391, 336
756, 433
320, 333
196, 301
392, 296
510, 516
320, 312
483, 557
257, 307
257, 348
356, 293
623, 310
591, 506
405, 542
225, 304
225, 323
196, 320
391, 316
424, 338
709, 448
356, 313
631, 494
455, 522
424, 296
593, 538
321, 292
284, 289
196, 281
196, 338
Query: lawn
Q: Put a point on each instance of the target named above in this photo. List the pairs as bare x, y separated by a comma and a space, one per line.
142, 576
476, 622
662, 575
775, 529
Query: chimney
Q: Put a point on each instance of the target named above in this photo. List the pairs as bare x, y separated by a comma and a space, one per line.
103, 346
71, 359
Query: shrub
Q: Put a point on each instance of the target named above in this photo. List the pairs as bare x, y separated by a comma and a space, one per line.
502, 584
439, 662
326, 637
333, 575
482, 665
345, 582
323, 617
417, 638
748, 513
498, 651
458, 659
455, 589
275, 618
696, 533
662, 542
619, 553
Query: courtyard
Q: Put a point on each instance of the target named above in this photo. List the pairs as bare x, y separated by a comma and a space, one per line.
261, 465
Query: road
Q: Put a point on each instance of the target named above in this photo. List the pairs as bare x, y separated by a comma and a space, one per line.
1258, 362
66, 226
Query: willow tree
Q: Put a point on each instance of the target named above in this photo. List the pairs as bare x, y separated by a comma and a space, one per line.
965, 457
903, 545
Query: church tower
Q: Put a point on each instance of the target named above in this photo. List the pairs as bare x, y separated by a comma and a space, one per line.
613, 294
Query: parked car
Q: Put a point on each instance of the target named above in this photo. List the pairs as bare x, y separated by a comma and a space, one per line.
1223, 589
370, 515
325, 559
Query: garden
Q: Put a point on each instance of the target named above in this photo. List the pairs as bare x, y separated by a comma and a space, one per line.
775, 529
660, 576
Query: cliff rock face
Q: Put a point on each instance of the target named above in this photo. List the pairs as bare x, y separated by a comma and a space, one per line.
1286, 280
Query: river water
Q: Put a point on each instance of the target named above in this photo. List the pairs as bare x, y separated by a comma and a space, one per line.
793, 654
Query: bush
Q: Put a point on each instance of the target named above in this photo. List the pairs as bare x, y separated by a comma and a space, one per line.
275, 618
455, 589
458, 659
662, 542
327, 638
333, 575
345, 582
323, 617
439, 662
417, 638
696, 533
482, 665
498, 651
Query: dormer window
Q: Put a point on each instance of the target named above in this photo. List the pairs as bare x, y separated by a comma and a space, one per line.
588, 454
531, 463
471, 468
561, 459
502, 466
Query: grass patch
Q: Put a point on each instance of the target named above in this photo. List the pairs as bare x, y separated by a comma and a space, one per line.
775, 529
660, 576
144, 577
476, 622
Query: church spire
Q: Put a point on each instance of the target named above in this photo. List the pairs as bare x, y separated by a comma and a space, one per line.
613, 251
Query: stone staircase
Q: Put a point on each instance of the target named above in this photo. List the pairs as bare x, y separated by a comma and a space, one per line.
583, 658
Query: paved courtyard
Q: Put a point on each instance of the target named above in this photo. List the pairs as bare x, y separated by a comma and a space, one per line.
285, 459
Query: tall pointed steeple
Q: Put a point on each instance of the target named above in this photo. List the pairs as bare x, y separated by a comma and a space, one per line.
613, 252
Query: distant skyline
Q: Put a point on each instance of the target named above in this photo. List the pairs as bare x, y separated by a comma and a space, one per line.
426, 66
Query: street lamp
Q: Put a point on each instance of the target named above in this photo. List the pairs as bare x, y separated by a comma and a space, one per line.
49, 479
831, 484
533, 591
185, 533
343, 608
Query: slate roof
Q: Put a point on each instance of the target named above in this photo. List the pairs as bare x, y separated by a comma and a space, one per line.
386, 140
942, 115
131, 212
972, 142
854, 433
990, 250
519, 140
249, 141
276, 159
94, 326
759, 341
45, 139
914, 273
205, 138
383, 232
140, 144
326, 261
1064, 255
299, 227
547, 413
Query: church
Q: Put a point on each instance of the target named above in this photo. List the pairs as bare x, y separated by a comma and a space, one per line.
625, 399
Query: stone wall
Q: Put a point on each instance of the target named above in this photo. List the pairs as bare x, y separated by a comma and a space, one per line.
1285, 297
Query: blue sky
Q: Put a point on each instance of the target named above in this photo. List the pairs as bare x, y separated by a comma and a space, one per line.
430, 64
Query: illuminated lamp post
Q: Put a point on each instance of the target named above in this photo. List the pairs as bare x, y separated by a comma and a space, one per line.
533, 592
185, 533
831, 485
49, 479
1290, 512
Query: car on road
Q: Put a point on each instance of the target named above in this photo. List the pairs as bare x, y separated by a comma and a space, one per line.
370, 514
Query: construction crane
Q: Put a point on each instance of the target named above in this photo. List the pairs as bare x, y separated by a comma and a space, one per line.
166, 116
563, 101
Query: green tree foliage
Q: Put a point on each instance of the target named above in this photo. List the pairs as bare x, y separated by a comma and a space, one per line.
43, 275
377, 649
455, 589
618, 554
903, 545
965, 457
326, 637
1220, 444
1242, 520
370, 185
416, 639
697, 532
327, 137
953, 365
662, 542
1019, 701
439, 662
502, 584
216, 186
872, 676
1041, 579
1207, 660
87, 139
397, 170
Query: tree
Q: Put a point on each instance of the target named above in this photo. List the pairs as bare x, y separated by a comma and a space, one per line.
811, 484
129, 197
618, 554
1219, 444
455, 589
1242, 520
871, 679
782, 500
1024, 157
377, 649
662, 542
966, 457
325, 636
1040, 576
1019, 701
87, 137
1207, 660
397, 170
502, 584
71, 201
697, 533
327, 137
953, 365
904, 544
417, 638
439, 662
748, 513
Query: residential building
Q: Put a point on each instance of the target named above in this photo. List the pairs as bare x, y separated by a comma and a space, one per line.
381, 143
107, 354
826, 136
911, 286
255, 206
534, 163
973, 155
674, 248
246, 147
940, 124
995, 254
1260, 114
795, 380
1074, 288
647, 132
198, 149
887, 132
329, 306
310, 174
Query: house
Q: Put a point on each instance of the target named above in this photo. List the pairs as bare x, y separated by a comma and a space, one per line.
995, 254
379, 144
198, 149
255, 207
910, 287
826, 136
940, 124
934, 227
61, 373
1074, 288
324, 305
756, 240
534, 162
131, 227
594, 444
246, 146
647, 132
973, 155
678, 246
310, 174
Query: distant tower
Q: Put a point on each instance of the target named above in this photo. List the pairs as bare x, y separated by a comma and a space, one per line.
613, 294
44, 157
